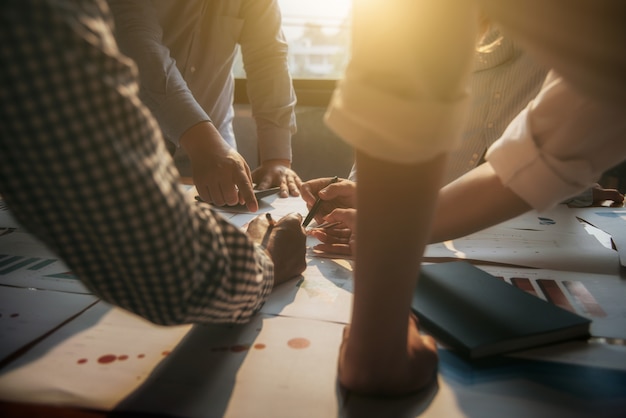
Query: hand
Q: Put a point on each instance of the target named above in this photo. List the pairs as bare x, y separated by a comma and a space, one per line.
285, 242
341, 239
337, 195
601, 195
220, 173
406, 372
273, 173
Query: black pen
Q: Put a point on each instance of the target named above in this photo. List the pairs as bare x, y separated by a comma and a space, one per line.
316, 205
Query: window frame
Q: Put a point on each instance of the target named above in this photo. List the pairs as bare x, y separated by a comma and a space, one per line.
309, 92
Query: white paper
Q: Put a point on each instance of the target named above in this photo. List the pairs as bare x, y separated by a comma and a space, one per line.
26, 262
94, 361
28, 314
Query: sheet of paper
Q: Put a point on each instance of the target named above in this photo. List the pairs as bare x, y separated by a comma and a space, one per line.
27, 262
272, 367
94, 361
324, 292
28, 314
561, 218
613, 222
7, 220
556, 250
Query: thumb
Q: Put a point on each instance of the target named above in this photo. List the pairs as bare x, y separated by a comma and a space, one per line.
341, 189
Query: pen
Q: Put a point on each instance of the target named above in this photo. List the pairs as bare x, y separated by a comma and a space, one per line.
316, 205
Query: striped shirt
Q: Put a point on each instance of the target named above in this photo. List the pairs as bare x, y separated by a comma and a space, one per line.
504, 80
84, 168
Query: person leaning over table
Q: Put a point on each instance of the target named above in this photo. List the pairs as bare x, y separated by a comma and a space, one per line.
579, 118
504, 78
84, 168
185, 52
403, 109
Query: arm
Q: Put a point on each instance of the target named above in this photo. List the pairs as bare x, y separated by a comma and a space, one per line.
108, 201
473, 202
272, 98
405, 105
220, 173
555, 148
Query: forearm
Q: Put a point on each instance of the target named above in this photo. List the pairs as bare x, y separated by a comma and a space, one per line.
473, 202
393, 226
108, 199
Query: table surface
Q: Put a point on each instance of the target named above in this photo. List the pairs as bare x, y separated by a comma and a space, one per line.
98, 360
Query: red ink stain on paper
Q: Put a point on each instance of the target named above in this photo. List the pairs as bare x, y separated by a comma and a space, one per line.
108, 358
122, 357
259, 346
166, 353
141, 355
298, 343
82, 361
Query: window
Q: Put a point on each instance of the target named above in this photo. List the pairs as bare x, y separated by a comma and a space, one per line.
318, 34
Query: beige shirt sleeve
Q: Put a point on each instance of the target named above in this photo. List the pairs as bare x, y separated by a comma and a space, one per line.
403, 97
559, 145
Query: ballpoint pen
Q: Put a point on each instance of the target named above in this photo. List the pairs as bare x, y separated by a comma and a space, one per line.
316, 205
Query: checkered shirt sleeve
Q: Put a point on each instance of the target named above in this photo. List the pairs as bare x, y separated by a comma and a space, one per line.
83, 166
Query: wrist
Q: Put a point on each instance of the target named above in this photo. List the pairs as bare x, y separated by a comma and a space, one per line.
277, 161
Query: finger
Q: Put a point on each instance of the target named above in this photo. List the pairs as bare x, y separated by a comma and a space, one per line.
307, 194
343, 188
616, 196
340, 231
297, 181
265, 182
345, 216
329, 239
216, 195
292, 184
342, 250
204, 193
230, 193
246, 193
339, 235
311, 188
284, 189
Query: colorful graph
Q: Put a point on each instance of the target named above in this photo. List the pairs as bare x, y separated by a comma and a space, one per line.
571, 295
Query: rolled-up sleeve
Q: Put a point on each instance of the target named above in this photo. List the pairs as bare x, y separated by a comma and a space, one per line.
390, 126
559, 145
403, 97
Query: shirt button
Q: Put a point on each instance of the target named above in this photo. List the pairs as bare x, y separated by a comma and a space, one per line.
192, 69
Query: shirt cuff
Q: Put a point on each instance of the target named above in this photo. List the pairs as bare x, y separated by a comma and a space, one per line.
395, 128
531, 173
274, 143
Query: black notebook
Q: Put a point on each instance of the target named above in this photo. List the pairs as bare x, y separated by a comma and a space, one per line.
479, 315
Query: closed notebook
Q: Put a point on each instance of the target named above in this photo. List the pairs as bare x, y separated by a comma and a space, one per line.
478, 315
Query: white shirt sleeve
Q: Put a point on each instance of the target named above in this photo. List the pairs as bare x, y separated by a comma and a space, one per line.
404, 97
559, 145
